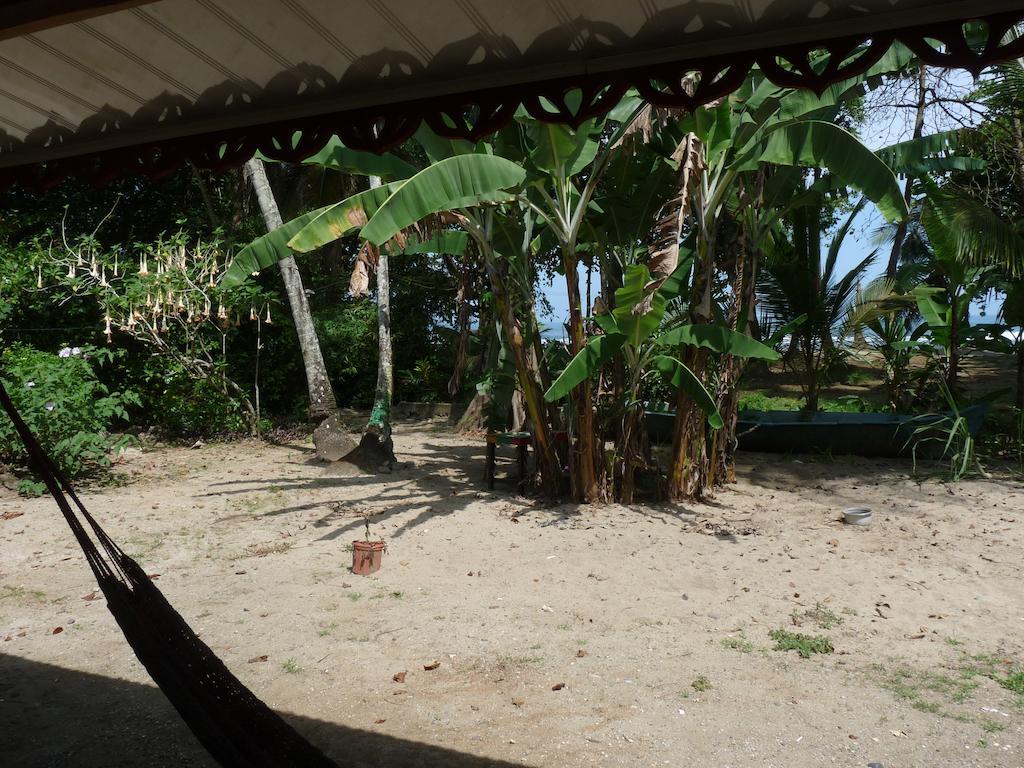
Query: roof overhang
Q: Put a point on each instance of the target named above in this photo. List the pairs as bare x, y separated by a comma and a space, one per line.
100, 88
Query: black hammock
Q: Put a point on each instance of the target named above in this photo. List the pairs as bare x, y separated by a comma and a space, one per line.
235, 727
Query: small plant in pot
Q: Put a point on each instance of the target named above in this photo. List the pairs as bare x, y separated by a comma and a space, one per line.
367, 554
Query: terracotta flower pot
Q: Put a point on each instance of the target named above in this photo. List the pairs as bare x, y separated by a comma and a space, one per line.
366, 557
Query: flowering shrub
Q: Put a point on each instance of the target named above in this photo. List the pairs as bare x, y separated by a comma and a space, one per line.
66, 406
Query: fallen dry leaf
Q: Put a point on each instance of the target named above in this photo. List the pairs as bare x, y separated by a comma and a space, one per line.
557, 686
256, 659
399, 677
378, 722
57, 630
517, 702
90, 597
899, 734
11, 514
153, 576
432, 666
580, 653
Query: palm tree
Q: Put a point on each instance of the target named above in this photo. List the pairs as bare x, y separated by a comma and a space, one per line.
321, 396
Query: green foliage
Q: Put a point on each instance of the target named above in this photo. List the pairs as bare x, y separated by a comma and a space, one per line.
182, 406
701, 684
758, 401
952, 432
462, 181
805, 645
67, 407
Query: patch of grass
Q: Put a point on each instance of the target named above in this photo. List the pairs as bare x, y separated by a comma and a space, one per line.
820, 616
805, 645
953, 641
927, 690
270, 548
701, 684
291, 667
397, 595
22, 595
988, 725
739, 643
509, 660
327, 629
563, 627
355, 597
1014, 682
849, 612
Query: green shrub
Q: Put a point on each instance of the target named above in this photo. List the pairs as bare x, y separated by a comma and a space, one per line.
181, 406
66, 406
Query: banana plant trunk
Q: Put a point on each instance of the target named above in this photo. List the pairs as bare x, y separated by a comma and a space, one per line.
690, 467
585, 472
548, 465
321, 396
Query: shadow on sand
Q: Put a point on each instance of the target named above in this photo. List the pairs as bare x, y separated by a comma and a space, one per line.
53, 716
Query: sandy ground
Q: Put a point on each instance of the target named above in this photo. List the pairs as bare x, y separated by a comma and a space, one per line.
656, 620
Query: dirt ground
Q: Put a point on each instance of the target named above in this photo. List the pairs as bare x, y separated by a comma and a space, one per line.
653, 621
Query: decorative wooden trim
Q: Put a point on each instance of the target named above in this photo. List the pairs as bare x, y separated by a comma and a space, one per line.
473, 116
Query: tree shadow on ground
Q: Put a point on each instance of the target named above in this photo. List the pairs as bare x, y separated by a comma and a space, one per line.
56, 716
439, 480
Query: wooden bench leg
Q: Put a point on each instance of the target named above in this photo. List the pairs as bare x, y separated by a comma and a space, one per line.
489, 468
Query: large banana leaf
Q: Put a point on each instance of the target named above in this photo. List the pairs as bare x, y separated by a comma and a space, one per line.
457, 182
265, 251
819, 144
598, 351
340, 158
438, 148
933, 309
452, 243
679, 376
339, 219
637, 313
558, 148
717, 338
935, 153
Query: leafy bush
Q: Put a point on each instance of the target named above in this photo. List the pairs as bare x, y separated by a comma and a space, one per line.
66, 406
181, 406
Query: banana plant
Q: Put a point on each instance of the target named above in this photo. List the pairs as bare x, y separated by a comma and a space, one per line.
635, 328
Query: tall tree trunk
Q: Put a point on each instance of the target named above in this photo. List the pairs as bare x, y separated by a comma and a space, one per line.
321, 396
908, 192
379, 424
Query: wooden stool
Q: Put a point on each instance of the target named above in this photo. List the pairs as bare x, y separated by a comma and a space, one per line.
521, 440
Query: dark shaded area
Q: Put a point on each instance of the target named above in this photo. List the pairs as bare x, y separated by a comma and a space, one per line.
53, 716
